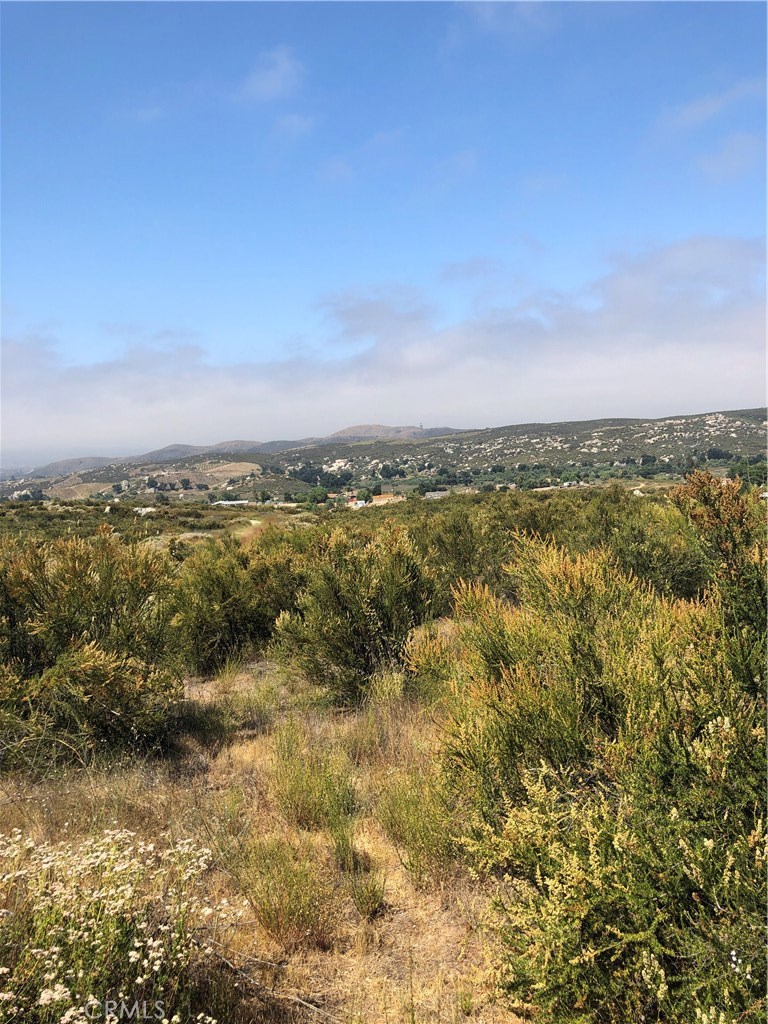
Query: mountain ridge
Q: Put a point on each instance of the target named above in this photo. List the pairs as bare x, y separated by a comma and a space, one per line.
172, 452
361, 436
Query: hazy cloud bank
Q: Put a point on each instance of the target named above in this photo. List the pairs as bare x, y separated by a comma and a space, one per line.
677, 330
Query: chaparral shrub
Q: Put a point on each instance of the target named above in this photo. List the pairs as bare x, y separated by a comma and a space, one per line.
353, 617
85, 644
607, 746
228, 597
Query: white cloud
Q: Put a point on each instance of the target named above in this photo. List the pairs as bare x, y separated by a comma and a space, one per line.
336, 170
524, 16
461, 165
382, 316
543, 184
698, 112
380, 151
680, 329
295, 126
513, 21
737, 155
276, 74
479, 268
148, 115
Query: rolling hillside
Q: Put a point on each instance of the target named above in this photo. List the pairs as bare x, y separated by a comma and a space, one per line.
364, 454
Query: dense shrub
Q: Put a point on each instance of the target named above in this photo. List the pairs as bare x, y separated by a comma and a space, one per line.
731, 525
600, 688
85, 634
93, 697
648, 538
228, 597
66, 593
610, 765
542, 682
466, 541
360, 602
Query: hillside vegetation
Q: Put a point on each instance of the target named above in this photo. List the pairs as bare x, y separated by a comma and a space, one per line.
494, 758
411, 460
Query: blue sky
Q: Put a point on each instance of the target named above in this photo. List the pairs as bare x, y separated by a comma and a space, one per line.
254, 220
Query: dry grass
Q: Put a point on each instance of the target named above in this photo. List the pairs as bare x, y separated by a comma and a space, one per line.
374, 945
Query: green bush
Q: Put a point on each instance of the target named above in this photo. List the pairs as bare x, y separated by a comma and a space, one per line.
360, 602
619, 908
463, 543
730, 522
649, 539
68, 593
86, 644
227, 599
609, 763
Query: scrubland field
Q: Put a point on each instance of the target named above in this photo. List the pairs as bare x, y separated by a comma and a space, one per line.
496, 758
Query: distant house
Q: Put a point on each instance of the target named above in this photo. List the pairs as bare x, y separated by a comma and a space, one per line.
243, 502
437, 494
386, 499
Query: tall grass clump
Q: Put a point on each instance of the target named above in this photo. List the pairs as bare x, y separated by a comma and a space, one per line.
368, 892
109, 918
607, 747
380, 733
415, 814
313, 786
288, 892
360, 602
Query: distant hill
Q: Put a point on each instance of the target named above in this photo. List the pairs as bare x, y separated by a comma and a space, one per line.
366, 453
175, 452
171, 453
66, 466
375, 431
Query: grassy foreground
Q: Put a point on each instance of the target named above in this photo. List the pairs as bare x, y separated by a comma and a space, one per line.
299, 878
